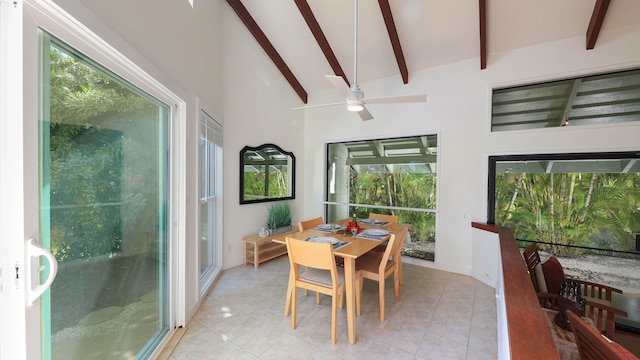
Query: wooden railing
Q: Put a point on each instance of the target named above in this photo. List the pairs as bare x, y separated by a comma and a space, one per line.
529, 336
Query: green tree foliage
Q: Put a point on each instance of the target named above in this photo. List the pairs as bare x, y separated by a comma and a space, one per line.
583, 209
255, 182
398, 190
85, 159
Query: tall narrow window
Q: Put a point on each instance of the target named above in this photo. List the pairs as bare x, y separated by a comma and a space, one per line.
210, 199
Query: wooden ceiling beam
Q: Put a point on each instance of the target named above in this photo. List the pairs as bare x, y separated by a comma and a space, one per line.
266, 45
313, 25
483, 34
597, 17
395, 40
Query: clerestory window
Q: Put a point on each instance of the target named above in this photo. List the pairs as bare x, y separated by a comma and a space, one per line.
598, 99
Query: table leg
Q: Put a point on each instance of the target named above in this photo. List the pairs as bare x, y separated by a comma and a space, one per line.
290, 288
350, 289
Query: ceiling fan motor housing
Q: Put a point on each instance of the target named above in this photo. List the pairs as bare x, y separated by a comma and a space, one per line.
355, 89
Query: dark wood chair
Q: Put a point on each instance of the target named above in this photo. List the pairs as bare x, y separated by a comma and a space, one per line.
592, 345
597, 296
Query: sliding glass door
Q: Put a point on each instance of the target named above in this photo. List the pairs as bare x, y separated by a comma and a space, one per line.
103, 201
86, 158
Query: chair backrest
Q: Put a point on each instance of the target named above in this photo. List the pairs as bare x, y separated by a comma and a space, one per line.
532, 258
310, 224
394, 248
592, 345
393, 219
318, 255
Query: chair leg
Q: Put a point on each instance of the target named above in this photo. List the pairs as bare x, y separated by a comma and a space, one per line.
318, 298
381, 291
401, 273
396, 284
306, 291
294, 306
334, 316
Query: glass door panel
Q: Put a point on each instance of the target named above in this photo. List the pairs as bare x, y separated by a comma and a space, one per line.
103, 209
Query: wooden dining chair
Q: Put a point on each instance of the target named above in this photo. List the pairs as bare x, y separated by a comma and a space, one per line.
313, 267
310, 224
393, 219
305, 225
374, 267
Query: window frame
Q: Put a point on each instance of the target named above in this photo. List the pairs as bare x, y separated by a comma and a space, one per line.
210, 192
494, 159
329, 184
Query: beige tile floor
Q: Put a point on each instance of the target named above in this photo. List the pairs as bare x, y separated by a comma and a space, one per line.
441, 315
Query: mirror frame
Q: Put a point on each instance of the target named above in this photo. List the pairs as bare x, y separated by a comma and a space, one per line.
291, 173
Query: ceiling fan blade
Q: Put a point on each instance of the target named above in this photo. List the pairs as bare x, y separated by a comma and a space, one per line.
365, 114
396, 99
319, 105
339, 83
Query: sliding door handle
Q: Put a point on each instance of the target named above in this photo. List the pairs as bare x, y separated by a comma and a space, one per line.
34, 251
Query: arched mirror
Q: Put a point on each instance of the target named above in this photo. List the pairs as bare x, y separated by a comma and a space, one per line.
267, 173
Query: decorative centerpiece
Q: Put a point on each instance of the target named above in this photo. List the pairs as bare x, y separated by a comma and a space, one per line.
352, 228
279, 218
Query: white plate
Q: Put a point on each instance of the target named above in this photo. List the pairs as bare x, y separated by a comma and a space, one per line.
324, 226
337, 226
376, 232
324, 239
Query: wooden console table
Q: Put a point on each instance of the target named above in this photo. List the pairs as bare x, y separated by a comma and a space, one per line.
260, 249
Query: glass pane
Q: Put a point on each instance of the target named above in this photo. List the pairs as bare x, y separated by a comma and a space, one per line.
599, 99
203, 165
211, 166
581, 209
387, 176
103, 210
206, 258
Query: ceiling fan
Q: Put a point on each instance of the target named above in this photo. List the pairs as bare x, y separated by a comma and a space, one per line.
355, 97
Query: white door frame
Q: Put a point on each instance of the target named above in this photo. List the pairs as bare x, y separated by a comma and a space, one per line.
12, 220
19, 21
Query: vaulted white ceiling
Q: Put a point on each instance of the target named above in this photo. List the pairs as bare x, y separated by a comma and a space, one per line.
430, 32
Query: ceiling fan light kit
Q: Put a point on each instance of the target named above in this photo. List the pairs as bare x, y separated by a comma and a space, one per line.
354, 105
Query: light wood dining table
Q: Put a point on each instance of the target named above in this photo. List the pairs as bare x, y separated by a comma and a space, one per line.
358, 246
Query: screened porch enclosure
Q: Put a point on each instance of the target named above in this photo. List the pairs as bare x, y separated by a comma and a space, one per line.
583, 209
387, 176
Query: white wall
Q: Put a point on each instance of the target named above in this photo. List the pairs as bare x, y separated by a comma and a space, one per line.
458, 109
258, 103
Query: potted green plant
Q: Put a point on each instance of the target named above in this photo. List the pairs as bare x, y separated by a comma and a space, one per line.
279, 218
